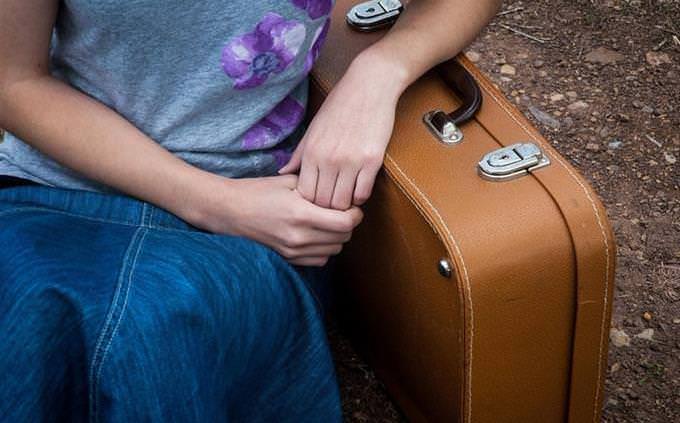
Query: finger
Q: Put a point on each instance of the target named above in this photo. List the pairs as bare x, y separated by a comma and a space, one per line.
288, 181
334, 220
325, 185
364, 185
295, 161
309, 173
313, 236
310, 261
344, 188
312, 251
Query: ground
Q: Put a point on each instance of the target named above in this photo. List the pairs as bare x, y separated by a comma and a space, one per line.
601, 80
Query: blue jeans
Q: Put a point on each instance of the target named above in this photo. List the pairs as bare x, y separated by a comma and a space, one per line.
112, 309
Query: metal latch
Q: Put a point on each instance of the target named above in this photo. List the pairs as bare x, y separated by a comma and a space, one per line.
512, 162
442, 127
374, 14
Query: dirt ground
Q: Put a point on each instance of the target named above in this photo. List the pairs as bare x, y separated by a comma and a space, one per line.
601, 79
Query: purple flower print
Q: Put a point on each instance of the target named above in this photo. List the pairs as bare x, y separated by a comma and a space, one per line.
274, 127
269, 48
319, 38
315, 8
282, 157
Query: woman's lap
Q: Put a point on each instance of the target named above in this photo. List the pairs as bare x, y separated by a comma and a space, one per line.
116, 310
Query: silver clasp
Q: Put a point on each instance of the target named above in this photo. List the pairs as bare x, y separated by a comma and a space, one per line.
512, 162
442, 126
374, 14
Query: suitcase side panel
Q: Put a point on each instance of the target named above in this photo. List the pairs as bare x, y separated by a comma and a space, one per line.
404, 317
593, 244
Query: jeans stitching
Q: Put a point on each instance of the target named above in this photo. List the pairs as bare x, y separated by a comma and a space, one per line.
95, 219
100, 351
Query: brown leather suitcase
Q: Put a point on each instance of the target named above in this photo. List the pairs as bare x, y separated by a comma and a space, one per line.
474, 299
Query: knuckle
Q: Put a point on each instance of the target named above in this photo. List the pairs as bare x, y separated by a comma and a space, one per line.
287, 253
372, 157
333, 161
296, 217
340, 203
347, 224
319, 262
361, 197
295, 240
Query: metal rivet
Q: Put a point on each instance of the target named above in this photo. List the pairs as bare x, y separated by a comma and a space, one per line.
444, 268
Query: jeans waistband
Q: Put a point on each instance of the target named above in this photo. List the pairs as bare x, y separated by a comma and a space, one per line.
114, 208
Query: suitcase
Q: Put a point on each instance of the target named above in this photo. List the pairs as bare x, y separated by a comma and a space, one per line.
475, 299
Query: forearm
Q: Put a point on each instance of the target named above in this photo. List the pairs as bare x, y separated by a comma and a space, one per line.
88, 137
428, 32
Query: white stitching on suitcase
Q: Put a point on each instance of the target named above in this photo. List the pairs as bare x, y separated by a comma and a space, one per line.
602, 230
465, 273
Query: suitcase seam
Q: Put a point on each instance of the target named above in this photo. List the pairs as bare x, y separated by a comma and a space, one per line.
602, 231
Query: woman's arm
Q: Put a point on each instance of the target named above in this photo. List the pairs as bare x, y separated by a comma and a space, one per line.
85, 135
343, 148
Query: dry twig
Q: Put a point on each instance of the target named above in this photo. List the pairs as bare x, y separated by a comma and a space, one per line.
523, 34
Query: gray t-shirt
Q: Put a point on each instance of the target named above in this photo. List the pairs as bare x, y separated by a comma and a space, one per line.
221, 84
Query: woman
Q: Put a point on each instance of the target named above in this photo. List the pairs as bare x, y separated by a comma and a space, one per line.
157, 240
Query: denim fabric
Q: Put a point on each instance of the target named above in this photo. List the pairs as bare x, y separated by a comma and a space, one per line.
113, 310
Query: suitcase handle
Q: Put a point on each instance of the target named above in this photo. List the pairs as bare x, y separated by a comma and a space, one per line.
373, 15
445, 126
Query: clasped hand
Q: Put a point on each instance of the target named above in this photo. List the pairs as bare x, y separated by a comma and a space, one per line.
342, 151
308, 218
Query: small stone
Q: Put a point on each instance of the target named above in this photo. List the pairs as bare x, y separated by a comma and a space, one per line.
619, 338
508, 70
622, 117
616, 367
657, 58
637, 104
578, 106
647, 316
604, 56
591, 146
669, 157
554, 98
538, 63
572, 94
473, 56
544, 117
647, 109
676, 321
646, 334
542, 74
615, 144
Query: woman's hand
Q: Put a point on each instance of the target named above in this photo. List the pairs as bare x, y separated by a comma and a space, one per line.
271, 211
344, 146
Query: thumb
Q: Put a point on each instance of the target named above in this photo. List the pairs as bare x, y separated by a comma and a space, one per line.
295, 161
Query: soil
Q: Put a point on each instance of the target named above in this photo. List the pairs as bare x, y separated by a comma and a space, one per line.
601, 80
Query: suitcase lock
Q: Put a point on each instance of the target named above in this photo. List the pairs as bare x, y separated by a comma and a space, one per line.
512, 162
374, 14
